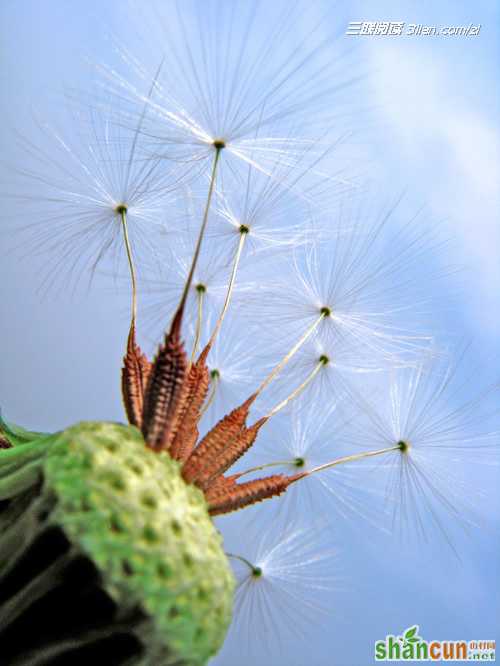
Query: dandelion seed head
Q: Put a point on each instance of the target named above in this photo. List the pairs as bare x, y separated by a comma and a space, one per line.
269, 207
441, 439
282, 583
78, 188
224, 76
362, 294
303, 439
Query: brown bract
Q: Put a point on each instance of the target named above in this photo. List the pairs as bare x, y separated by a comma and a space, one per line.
187, 434
165, 400
247, 493
166, 392
135, 373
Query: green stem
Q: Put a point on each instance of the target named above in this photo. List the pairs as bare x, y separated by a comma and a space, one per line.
18, 455
256, 571
47, 580
16, 435
20, 524
20, 480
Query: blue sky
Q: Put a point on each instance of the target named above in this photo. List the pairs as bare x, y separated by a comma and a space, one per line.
426, 115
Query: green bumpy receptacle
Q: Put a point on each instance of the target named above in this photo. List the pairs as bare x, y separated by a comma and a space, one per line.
121, 531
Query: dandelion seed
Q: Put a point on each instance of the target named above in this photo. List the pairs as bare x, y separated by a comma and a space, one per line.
440, 437
281, 579
220, 87
204, 222
87, 193
328, 372
301, 443
320, 364
230, 363
209, 288
232, 281
272, 209
359, 286
296, 347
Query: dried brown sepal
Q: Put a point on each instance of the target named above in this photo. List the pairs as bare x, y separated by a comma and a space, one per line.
250, 492
166, 391
220, 486
135, 373
231, 454
197, 468
4, 442
187, 433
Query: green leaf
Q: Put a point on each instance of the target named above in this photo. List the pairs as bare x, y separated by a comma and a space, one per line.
15, 435
410, 633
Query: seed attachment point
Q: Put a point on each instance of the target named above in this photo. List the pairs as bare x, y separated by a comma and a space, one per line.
403, 446
121, 209
326, 311
200, 288
244, 229
219, 144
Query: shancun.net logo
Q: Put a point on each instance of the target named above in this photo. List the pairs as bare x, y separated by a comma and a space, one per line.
412, 647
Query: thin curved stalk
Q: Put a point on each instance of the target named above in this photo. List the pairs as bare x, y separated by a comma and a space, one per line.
294, 394
290, 354
197, 335
133, 277
259, 468
211, 397
256, 571
230, 287
201, 234
352, 458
